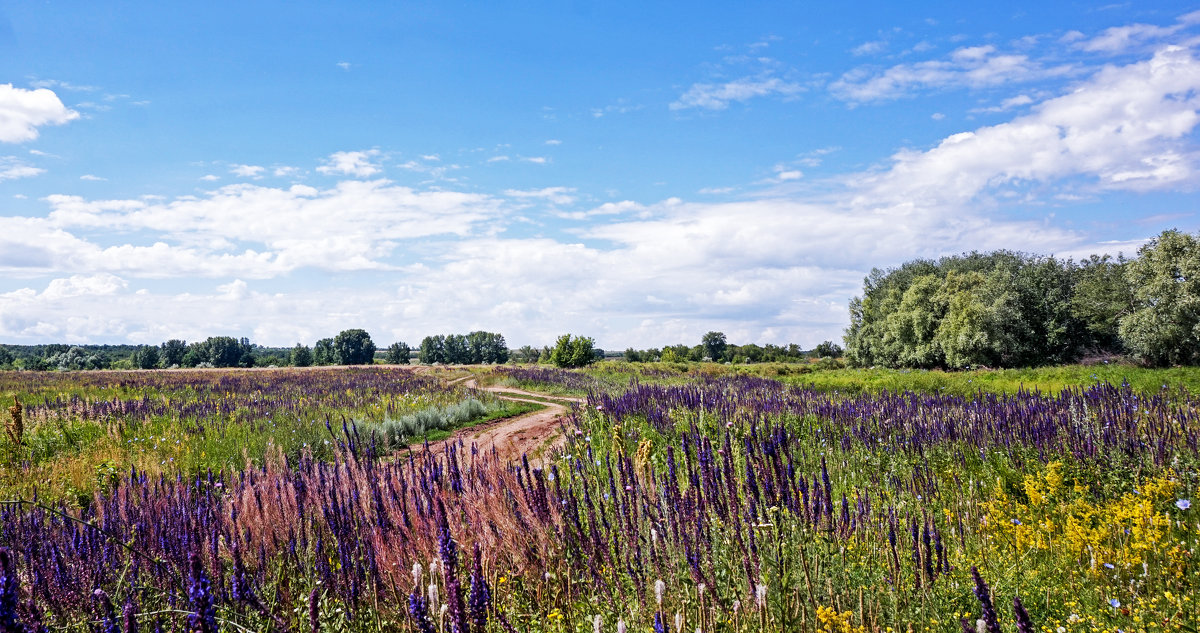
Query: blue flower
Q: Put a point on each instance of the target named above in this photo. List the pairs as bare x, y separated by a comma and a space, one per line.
1183, 504
1109, 565
1114, 603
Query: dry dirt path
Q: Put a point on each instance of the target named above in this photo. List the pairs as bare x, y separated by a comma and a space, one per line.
533, 434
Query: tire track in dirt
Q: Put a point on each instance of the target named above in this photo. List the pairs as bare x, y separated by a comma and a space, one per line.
532, 434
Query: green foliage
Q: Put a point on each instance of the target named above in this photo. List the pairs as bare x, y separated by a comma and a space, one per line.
1164, 327
398, 353
301, 356
75, 358
1103, 295
146, 357
714, 345
573, 351
828, 349
458, 349
171, 353
999, 309
220, 351
323, 353
528, 354
353, 347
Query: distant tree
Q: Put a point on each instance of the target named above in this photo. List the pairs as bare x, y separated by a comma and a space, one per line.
1102, 297
529, 354
573, 351
398, 353
146, 357
220, 351
353, 347
171, 353
323, 353
828, 349
433, 350
301, 356
632, 355
714, 344
1164, 327
457, 349
6, 357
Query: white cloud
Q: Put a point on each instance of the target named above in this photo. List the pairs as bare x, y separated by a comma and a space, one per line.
210, 178
1008, 104
553, 141
54, 83
285, 172
555, 195
498, 159
972, 67
357, 164
92, 177
539, 160
1123, 127
868, 48
247, 171
102, 284
22, 112
12, 168
354, 225
718, 96
344, 65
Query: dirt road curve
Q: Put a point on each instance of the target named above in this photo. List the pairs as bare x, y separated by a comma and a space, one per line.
533, 434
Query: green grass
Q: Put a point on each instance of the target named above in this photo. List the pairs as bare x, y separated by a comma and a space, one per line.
1043, 379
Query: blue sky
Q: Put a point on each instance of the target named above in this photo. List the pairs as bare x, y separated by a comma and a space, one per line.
638, 174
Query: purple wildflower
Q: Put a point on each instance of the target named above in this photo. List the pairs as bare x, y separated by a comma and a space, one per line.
1024, 623
480, 597
418, 610
984, 595
108, 619
10, 590
203, 616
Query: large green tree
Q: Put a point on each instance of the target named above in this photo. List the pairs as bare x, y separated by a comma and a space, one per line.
714, 344
171, 352
398, 353
301, 356
1164, 325
323, 353
573, 351
1000, 309
353, 347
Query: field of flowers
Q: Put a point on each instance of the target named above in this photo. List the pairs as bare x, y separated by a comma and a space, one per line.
80, 430
680, 502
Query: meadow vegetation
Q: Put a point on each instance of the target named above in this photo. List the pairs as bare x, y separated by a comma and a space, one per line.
687, 496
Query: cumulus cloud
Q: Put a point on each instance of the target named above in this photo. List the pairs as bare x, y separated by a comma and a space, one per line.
22, 112
357, 164
247, 171
354, 225
1124, 127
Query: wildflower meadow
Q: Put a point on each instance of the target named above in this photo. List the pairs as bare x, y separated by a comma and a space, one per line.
677, 501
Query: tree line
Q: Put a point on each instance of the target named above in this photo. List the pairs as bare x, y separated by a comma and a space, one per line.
463, 349
1009, 309
715, 347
